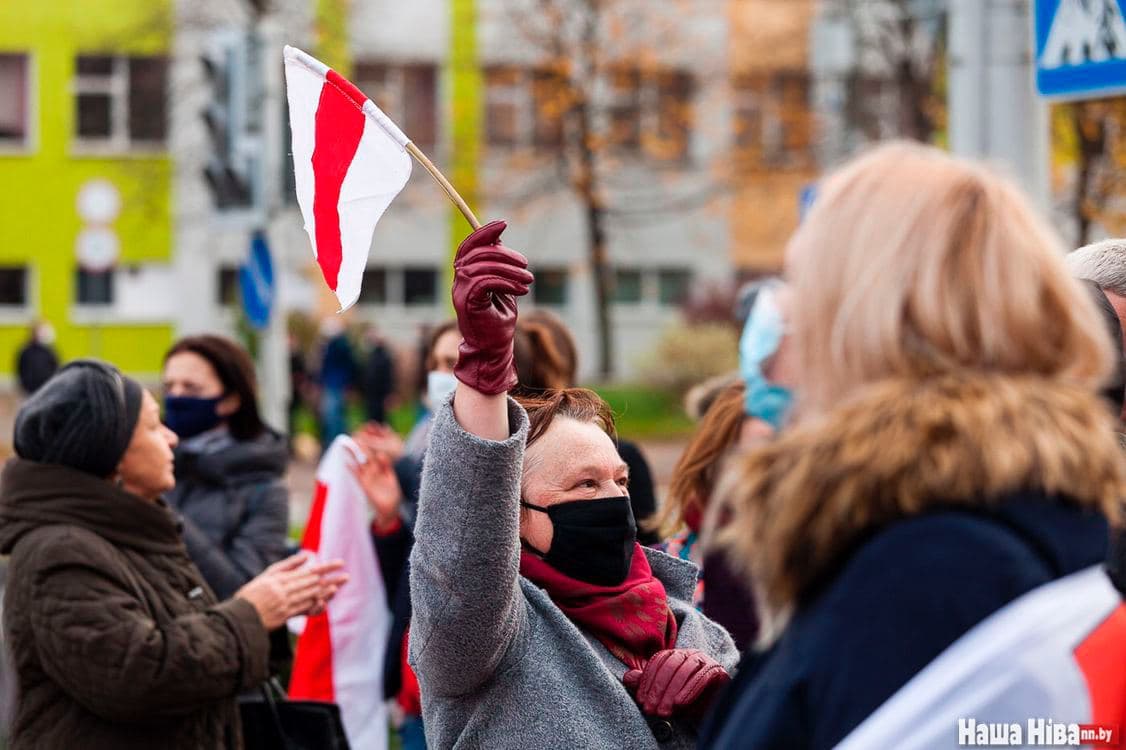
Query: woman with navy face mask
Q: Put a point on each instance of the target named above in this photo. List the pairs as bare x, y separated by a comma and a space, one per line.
229, 464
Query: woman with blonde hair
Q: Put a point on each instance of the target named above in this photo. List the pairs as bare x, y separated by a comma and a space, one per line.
949, 456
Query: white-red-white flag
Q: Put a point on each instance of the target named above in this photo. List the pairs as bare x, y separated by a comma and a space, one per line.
349, 160
1052, 657
340, 652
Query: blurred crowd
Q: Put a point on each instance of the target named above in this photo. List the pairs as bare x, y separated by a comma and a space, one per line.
899, 514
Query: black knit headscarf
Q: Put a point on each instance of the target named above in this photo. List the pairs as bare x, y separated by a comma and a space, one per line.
83, 418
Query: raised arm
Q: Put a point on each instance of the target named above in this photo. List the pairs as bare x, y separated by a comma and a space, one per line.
468, 610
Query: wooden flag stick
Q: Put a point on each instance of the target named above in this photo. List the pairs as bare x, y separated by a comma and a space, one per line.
446, 186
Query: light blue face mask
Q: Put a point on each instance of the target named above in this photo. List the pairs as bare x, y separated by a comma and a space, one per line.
761, 338
438, 386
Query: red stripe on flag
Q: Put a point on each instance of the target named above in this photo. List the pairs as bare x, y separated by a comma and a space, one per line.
311, 540
340, 124
312, 663
1101, 656
347, 88
311, 678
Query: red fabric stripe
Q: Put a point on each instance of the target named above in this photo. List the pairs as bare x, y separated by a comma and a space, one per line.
311, 678
312, 663
340, 124
347, 88
311, 540
1101, 656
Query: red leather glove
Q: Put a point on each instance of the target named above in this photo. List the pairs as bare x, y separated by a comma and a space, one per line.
681, 681
488, 277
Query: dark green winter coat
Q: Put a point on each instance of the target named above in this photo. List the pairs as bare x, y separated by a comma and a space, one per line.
116, 639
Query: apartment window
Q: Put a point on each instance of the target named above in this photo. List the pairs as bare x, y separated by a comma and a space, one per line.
13, 286
525, 107
228, 286
15, 94
873, 106
551, 287
420, 286
772, 118
673, 285
374, 287
121, 102
627, 286
95, 287
674, 89
550, 101
407, 92
505, 105
624, 110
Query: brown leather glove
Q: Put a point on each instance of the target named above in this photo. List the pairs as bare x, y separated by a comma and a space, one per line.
677, 682
488, 277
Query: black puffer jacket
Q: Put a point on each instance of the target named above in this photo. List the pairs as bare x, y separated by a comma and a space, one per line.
116, 640
234, 504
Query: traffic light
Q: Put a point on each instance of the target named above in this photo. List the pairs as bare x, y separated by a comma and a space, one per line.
232, 123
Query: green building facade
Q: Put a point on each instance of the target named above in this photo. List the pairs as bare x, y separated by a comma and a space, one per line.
84, 85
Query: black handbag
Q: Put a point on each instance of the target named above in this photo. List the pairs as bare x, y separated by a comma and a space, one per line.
272, 722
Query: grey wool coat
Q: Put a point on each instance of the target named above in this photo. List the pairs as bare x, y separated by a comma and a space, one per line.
500, 666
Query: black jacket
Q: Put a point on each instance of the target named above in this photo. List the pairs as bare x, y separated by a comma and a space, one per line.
235, 505
898, 602
36, 364
641, 494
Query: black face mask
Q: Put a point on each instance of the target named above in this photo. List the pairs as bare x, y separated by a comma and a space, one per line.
593, 540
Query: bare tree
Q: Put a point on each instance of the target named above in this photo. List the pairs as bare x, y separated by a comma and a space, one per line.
598, 66
900, 45
1088, 136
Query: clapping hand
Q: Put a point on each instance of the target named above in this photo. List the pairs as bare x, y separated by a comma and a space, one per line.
295, 586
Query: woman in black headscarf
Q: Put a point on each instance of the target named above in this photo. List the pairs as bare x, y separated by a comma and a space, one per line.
117, 640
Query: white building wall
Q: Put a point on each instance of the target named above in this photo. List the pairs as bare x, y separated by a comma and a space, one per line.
416, 230
550, 226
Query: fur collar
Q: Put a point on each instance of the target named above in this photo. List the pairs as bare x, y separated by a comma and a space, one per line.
898, 449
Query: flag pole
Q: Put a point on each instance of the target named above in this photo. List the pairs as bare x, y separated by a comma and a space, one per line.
458, 201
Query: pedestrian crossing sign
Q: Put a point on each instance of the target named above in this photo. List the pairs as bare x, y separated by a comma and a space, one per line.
1080, 48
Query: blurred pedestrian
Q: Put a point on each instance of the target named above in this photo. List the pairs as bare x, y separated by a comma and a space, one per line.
117, 639
441, 358
546, 357
538, 619
230, 466
950, 457
337, 379
390, 478
722, 593
379, 377
1103, 265
299, 384
391, 482
37, 360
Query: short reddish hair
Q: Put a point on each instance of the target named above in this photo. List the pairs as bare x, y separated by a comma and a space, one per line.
579, 404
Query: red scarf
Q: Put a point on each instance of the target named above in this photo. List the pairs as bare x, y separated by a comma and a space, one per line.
632, 619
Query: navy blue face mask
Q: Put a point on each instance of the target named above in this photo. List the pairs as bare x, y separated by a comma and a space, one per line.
188, 417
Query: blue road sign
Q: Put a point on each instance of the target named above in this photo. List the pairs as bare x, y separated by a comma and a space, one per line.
1080, 48
256, 283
